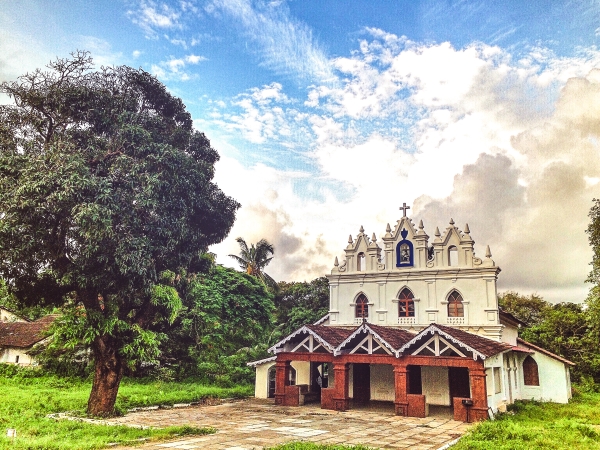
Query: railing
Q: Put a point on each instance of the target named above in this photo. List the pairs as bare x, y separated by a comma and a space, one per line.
360, 320
407, 320
455, 320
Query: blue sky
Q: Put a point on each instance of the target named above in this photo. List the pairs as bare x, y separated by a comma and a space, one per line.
328, 115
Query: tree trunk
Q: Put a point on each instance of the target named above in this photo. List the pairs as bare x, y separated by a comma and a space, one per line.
108, 371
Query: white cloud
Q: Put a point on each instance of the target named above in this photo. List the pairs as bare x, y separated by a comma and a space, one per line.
175, 68
283, 43
152, 16
465, 133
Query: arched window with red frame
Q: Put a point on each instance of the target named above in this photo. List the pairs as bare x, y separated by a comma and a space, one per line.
455, 305
406, 304
362, 307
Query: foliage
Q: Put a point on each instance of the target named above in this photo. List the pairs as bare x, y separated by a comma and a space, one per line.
226, 317
529, 309
104, 188
300, 303
254, 259
10, 302
534, 425
29, 395
593, 231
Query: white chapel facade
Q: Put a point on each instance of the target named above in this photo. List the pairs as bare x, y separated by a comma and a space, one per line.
413, 320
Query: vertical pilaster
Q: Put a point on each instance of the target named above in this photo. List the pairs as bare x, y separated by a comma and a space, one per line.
341, 395
401, 383
282, 370
479, 410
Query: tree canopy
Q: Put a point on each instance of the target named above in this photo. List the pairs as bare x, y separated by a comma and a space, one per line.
299, 303
254, 259
106, 192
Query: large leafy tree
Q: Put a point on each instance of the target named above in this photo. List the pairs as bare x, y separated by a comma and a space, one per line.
300, 303
255, 258
528, 308
226, 313
104, 188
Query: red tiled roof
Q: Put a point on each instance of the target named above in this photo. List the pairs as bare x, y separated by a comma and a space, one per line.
546, 352
24, 334
396, 337
332, 335
483, 345
505, 316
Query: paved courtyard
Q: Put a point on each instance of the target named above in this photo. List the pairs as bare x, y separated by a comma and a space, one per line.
257, 424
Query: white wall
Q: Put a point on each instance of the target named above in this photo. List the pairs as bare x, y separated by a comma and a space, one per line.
435, 385
9, 356
555, 383
261, 384
383, 386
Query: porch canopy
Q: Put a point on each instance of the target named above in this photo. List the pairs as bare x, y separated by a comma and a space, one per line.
436, 345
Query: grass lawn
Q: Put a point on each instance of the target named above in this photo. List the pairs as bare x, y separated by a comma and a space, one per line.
529, 426
27, 399
533, 425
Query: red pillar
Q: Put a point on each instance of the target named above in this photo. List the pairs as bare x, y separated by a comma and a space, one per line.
282, 369
479, 410
401, 382
341, 395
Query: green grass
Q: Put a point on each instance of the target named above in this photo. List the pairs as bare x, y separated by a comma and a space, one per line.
533, 425
27, 398
311, 446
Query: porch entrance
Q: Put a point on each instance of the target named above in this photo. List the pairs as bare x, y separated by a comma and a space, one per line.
361, 375
458, 378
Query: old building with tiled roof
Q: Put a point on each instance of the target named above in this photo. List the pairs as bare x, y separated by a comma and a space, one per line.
17, 338
414, 322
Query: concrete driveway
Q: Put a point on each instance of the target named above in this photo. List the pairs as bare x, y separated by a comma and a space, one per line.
256, 424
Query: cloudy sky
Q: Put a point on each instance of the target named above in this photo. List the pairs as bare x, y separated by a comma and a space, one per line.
329, 114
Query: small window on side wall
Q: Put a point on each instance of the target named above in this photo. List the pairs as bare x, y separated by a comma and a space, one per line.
531, 375
455, 305
497, 380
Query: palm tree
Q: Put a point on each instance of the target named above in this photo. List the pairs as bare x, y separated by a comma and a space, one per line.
254, 259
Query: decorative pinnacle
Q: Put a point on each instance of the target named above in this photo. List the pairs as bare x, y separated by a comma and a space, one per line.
336, 263
467, 228
388, 229
350, 239
421, 224
451, 221
373, 238
362, 230
437, 232
488, 253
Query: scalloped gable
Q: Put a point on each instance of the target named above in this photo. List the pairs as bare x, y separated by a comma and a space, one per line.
479, 346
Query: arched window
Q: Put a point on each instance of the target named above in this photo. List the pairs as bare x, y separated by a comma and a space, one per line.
530, 372
360, 262
455, 305
453, 256
362, 307
406, 304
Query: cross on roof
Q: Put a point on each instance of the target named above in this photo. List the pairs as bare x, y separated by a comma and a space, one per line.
404, 208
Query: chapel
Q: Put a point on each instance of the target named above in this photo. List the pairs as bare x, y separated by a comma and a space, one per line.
415, 322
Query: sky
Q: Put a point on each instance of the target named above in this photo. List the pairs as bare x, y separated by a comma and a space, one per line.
329, 115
